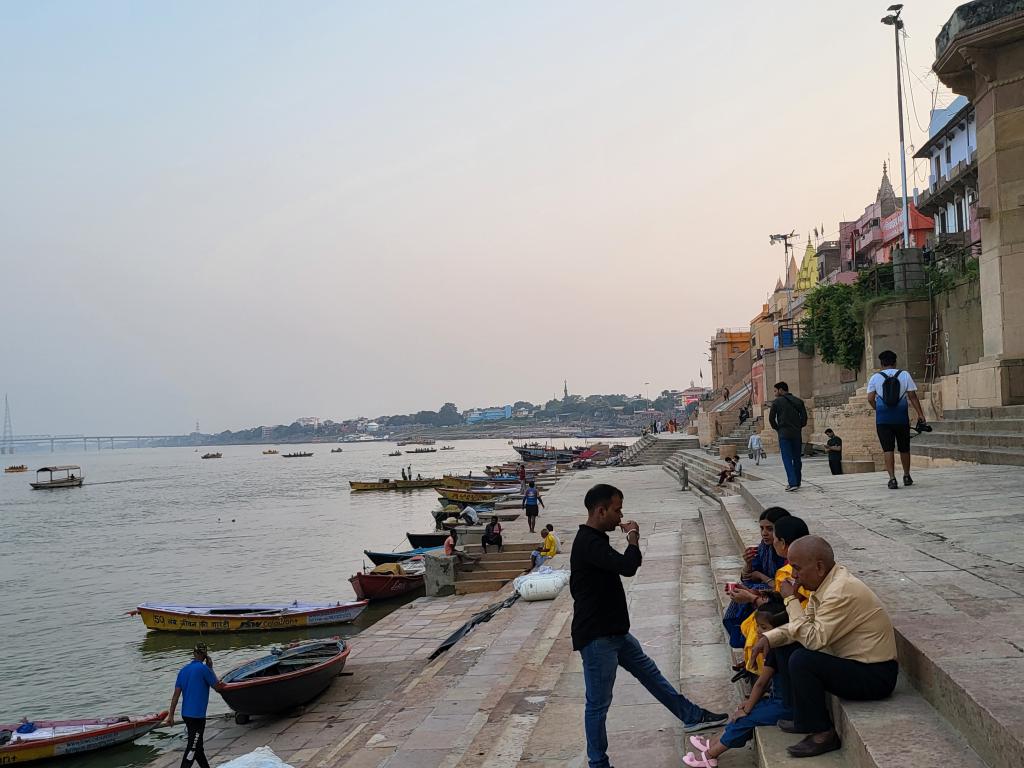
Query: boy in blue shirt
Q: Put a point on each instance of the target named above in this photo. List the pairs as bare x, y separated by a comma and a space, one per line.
193, 686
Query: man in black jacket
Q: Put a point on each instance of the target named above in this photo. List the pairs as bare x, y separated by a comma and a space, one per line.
788, 417
600, 624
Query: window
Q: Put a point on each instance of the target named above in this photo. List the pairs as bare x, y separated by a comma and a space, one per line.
937, 168
960, 215
949, 156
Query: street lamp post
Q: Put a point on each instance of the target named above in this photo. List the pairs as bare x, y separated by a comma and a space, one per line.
894, 20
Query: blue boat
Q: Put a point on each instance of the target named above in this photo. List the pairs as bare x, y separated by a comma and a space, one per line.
379, 558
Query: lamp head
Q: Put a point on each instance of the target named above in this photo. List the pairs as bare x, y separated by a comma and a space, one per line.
890, 20
895, 7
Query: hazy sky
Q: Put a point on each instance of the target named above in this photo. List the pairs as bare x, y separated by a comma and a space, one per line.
245, 212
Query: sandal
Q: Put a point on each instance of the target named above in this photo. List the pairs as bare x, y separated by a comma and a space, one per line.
700, 743
703, 761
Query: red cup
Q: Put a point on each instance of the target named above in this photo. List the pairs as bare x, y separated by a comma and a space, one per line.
731, 586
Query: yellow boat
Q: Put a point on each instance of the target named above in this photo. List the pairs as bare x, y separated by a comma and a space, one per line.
385, 484
470, 497
17, 468
246, 618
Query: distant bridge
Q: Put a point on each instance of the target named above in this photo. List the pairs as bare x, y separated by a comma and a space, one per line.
99, 440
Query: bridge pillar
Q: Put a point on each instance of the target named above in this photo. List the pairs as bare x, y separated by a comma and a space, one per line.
111, 443
51, 445
138, 442
85, 444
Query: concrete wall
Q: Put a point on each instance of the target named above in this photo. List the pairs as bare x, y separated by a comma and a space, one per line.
900, 325
961, 341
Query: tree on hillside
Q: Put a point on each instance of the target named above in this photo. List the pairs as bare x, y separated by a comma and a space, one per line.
523, 404
448, 415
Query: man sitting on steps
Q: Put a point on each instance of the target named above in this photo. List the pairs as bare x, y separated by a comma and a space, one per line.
842, 643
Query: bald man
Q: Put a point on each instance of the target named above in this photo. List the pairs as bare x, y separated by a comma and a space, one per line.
841, 643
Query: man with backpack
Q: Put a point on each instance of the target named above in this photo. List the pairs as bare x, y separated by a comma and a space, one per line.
890, 392
788, 417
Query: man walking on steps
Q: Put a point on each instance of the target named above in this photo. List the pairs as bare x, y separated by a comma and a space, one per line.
193, 686
600, 624
788, 417
891, 392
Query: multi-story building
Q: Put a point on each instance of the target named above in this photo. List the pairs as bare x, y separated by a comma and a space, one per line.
488, 414
730, 356
920, 228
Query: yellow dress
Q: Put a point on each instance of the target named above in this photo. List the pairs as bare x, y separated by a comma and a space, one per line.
749, 625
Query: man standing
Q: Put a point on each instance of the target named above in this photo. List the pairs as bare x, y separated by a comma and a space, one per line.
600, 624
834, 445
755, 449
193, 686
842, 643
788, 417
522, 478
889, 393
530, 501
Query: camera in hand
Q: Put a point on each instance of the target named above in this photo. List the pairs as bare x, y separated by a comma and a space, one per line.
921, 426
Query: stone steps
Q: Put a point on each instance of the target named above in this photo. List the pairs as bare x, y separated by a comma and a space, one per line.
702, 472
654, 450
927, 738
1004, 456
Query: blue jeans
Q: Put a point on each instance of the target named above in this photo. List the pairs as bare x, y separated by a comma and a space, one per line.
767, 711
601, 659
791, 448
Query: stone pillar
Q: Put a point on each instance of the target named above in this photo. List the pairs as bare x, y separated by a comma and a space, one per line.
980, 54
439, 575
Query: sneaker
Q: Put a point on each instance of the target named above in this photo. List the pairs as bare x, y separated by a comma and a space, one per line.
893, 485
792, 488
907, 481
707, 720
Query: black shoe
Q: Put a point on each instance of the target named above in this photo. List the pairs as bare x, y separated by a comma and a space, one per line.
707, 720
811, 748
907, 481
893, 485
788, 726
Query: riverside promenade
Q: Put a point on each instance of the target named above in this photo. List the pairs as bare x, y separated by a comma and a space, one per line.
511, 692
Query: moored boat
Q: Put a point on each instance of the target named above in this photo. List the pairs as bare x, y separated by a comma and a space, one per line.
434, 539
479, 484
286, 678
66, 477
57, 738
212, 456
471, 497
246, 618
386, 484
389, 580
297, 455
17, 468
379, 558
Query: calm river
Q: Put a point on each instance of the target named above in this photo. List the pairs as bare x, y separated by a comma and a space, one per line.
160, 524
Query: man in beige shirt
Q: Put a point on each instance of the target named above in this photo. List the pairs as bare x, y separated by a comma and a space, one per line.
841, 643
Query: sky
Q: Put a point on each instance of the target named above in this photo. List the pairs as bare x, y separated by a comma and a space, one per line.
242, 213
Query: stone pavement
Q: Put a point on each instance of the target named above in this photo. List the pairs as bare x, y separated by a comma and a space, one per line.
511, 693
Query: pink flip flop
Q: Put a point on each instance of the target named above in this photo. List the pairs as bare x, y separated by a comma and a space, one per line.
699, 762
702, 744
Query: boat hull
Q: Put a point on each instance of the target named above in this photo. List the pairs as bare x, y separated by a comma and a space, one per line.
380, 558
470, 497
395, 485
47, 484
113, 734
181, 619
275, 694
381, 586
435, 539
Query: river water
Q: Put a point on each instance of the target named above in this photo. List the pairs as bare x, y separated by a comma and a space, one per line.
162, 525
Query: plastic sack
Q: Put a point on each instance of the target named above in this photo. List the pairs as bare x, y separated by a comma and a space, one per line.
263, 757
543, 584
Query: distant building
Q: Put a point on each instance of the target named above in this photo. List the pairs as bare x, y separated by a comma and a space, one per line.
488, 414
309, 421
266, 433
372, 426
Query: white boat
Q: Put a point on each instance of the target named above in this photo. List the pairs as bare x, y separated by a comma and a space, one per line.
68, 476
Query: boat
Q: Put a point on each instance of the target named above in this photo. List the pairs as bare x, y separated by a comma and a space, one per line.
389, 580
297, 455
337, 450
57, 738
470, 497
415, 442
66, 477
283, 680
423, 450
447, 448
479, 483
246, 618
379, 558
17, 468
535, 452
396, 453
212, 456
271, 452
433, 539
385, 484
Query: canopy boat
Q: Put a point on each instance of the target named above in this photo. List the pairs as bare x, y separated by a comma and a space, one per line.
287, 678
423, 450
434, 539
395, 453
271, 452
66, 477
212, 456
246, 618
17, 468
535, 451
386, 484
379, 558
298, 455
389, 580
337, 450
56, 738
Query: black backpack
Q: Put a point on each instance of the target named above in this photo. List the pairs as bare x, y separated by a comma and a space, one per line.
891, 394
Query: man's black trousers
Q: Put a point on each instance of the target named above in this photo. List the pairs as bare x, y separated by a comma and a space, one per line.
809, 675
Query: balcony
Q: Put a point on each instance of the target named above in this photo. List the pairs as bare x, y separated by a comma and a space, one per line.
953, 184
869, 237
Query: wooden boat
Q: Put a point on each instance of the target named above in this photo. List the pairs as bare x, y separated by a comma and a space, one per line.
479, 484
246, 618
385, 484
298, 455
379, 558
434, 539
283, 680
396, 453
271, 452
337, 450
17, 468
447, 447
212, 456
423, 450
57, 738
471, 497
66, 477
389, 580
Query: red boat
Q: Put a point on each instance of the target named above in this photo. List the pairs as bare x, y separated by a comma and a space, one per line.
389, 580
56, 738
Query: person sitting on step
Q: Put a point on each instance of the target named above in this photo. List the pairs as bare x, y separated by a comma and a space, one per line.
759, 566
729, 472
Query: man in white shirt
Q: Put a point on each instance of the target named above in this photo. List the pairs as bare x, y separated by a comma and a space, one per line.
890, 392
755, 448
